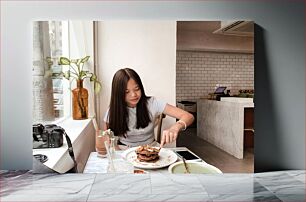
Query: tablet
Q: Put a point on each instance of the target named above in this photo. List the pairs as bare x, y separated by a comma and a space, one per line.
188, 155
220, 90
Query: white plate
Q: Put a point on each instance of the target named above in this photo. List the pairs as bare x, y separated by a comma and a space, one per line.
166, 158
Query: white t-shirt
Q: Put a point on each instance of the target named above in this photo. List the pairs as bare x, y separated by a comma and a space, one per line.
142, 136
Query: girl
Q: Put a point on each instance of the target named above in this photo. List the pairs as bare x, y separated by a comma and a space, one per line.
131, 113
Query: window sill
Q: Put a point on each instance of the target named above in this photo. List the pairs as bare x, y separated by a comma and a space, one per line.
81, 133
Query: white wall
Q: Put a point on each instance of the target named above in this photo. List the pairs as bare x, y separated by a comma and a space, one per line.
148, 47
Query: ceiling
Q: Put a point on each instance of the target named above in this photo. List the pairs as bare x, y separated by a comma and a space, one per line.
209, 26
198, 26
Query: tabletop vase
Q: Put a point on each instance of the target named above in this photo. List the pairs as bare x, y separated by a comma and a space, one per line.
79, 102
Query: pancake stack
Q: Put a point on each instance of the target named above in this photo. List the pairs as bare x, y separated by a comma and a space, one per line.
147, 153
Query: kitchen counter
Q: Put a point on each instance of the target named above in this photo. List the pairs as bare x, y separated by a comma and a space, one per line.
247, 101
269, 186
221, 123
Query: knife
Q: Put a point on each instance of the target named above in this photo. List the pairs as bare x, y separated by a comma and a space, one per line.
185, 165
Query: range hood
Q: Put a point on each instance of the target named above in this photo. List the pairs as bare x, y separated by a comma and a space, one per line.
237, 28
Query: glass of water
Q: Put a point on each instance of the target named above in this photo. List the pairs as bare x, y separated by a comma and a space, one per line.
100, 146
120, 166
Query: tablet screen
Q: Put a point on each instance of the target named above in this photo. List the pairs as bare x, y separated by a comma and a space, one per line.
220, 90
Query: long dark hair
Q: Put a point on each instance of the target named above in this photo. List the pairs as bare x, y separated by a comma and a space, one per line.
118, 111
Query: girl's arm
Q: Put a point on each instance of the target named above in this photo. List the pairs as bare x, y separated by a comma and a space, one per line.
185, 119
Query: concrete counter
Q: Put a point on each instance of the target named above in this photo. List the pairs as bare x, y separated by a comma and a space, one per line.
221, 123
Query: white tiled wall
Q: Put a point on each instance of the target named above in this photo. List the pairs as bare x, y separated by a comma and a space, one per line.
199, 73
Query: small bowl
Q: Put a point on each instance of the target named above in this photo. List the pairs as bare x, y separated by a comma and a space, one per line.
194, 168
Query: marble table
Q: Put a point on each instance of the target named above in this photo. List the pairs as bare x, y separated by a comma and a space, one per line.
269, 186
97, 164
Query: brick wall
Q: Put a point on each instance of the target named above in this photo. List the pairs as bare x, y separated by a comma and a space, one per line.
199, 73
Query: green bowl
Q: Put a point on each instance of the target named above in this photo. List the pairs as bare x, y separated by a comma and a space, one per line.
194, 168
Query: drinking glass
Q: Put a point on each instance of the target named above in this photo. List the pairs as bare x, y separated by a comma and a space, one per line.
100, 146
116, 164
120, 166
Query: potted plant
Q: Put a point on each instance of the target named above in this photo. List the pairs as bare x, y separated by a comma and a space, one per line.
79, 94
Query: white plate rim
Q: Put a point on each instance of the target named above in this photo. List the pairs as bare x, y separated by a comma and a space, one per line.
194, 162
173, 160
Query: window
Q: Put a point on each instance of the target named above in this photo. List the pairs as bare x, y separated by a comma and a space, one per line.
51, 40
51, 94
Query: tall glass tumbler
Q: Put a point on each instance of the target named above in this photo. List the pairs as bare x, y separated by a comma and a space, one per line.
101, 137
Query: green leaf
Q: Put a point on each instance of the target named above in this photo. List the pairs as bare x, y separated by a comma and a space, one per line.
93, 77
64, 61
85, 59
67, 75
97, 87
57, 75
78, 61
82, 74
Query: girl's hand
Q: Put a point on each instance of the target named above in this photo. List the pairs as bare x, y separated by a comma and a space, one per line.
168, 136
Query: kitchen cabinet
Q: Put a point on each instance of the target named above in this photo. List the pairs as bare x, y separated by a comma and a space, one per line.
249, 127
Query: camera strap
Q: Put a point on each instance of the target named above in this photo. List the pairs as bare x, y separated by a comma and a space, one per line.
70, 151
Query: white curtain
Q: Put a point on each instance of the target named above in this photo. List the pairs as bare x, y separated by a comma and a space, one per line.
43, 109
81, 45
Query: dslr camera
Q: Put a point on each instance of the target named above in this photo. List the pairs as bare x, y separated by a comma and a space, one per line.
48, 136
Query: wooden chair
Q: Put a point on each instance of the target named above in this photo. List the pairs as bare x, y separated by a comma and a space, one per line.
159, 122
